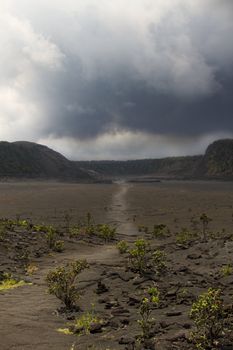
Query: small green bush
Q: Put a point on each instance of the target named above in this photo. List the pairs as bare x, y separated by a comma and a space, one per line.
89, 219
7, 224
3, 232
159, 260
59, 246
226, 270
147, 304
208, 315
88, 228
83, 324
122, 247
25, 224
40, 228
106, 232
139, 255
23, 256
75, 232
143, 259
51, 236
67, 218
184, 236
205, 220
62, 282
160, 231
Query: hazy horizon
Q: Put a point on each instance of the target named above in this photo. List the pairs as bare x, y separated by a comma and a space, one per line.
120, 159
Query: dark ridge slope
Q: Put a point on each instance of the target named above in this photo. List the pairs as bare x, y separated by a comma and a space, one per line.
216, 163
218, 160
167, 167
30, 160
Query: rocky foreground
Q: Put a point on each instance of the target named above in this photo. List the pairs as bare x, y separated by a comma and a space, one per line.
179, 265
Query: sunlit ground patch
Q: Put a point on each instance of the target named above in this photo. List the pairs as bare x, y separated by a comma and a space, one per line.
11, 284
65, 331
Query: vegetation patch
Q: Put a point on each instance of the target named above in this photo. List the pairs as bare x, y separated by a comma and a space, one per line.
87, 229
209, 317
65, 331
87, 322
226, 270
62, 282
146, 322
184, 236
9, 282
205, 220
160, 231
122, 247
143, 259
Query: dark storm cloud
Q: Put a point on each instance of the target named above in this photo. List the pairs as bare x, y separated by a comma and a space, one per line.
77, 70
101, 106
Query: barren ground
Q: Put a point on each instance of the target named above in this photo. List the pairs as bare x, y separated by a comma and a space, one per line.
28, 315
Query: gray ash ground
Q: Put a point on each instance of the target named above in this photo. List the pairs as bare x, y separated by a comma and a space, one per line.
30, 317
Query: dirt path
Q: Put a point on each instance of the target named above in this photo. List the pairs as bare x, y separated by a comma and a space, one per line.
28, 319
120, 213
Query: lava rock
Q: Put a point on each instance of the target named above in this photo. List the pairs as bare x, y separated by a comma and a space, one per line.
119, 311
194, 256
126, 340
95, 328
173, 313
101, 288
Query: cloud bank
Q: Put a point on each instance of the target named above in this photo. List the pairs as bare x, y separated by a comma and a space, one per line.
132, 77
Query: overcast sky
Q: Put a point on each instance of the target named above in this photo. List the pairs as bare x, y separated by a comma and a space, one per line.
116, 79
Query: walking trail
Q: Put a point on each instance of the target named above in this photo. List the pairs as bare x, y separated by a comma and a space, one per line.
28, 317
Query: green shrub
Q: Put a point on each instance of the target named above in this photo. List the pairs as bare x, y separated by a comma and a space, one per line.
147, 304
83, 324
58, 246
24, 224
183, 295
184, 236
139, 255
122, 247
143, 259
3, 232
106, 232
74, 232
23, 256
226, 270
40, 228
67, 219
208, 315
89, 219
88, 228
62, 282
51, 236
205, 220
159, 260
160, 231
7, 224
